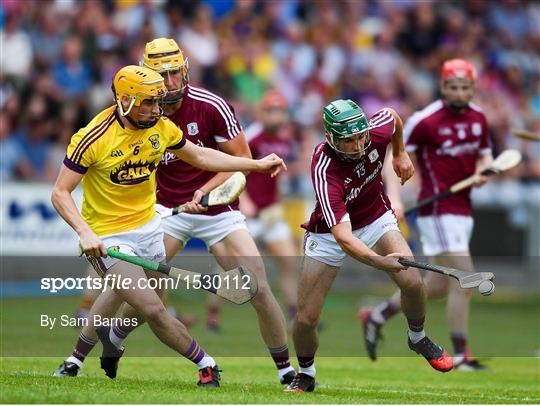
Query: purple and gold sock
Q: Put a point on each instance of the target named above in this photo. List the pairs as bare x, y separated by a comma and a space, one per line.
194, 353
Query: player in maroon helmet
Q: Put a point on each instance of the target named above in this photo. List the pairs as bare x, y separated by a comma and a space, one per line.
449, 140
353, 217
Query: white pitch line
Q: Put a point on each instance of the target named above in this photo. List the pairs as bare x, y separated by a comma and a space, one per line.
408, 392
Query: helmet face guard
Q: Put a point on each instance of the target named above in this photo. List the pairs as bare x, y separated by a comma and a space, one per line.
151, 118
333, 141
345, 119
165, 57
173, 96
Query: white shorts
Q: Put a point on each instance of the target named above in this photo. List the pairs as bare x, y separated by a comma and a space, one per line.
210, 229
324, 248
445, 233
145, 241
278, 231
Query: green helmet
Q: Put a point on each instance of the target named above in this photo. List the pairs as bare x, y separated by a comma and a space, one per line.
345, 119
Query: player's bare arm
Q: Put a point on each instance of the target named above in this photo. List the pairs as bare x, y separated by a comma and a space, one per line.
64, 204
401, 162
342, 232
483, 162
217, 161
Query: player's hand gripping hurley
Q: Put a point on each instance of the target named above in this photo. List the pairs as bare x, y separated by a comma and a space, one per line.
225, 193
467, 280
505, 161
239, 285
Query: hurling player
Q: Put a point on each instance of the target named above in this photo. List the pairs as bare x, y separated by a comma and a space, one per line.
261, 200
116, 156
207, 120
353, 216
449, 141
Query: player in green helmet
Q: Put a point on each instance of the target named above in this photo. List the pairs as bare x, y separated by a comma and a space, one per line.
353, 216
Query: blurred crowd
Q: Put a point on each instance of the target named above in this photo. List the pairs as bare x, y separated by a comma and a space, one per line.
58, 59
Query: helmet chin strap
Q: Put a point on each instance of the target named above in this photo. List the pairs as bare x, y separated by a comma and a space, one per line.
173, 99
144, 124
141, 124
348, 156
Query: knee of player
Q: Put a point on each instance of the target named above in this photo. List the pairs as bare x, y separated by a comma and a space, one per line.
458, 291
258, 269
155, 312
307, 319
264, 294
413, 284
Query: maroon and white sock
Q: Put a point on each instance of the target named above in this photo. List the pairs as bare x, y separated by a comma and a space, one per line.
384, 311
280, 356
82, 348
416, 329
459, 341
212, 317
119, 332
307, 365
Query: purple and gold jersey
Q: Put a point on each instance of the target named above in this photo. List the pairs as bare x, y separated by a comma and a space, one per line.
119, 167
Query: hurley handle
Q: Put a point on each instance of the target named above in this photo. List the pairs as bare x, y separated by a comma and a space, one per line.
146, 264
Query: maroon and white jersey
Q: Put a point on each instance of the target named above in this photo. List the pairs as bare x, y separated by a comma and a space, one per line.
447, 146
206, 120
351, 191
262, 188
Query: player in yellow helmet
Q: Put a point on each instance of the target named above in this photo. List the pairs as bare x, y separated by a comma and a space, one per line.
163, 55
116, 157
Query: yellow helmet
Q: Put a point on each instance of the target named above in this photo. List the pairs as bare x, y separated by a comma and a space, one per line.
163, 55
140, 84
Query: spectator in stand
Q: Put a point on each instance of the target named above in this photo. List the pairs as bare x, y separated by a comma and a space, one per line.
71, 73
17, 54
10, 150
311, 51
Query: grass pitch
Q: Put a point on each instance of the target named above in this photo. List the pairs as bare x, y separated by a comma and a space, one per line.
253, 380
504, 330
